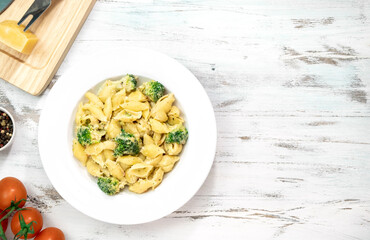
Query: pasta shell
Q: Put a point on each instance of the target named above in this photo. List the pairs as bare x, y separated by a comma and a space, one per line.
79, 114
95, 149
94, 99
159, 138
141, 186
96, 112
113, 129
173, 148
162, 107
154, 161
99, 159
108, 108
93, 168
152, 150
158, 127
118, 99
134, 106
137, 96
79, 153
157, 177
115, 170
108, 154
167, 163
148, 139
107, 91
128, 116
129, 160
141, 170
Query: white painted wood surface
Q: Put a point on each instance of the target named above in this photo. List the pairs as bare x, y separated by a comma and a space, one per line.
289, 81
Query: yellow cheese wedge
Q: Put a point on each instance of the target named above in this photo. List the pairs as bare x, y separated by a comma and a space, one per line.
13, 36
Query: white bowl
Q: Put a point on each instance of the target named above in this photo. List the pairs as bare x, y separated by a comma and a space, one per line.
71, 179
13, 133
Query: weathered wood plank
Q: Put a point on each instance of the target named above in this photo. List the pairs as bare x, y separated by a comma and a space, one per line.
289, 82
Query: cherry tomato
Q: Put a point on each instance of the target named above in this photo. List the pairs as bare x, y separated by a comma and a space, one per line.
11, 189
29, 214
50, 233
4, 223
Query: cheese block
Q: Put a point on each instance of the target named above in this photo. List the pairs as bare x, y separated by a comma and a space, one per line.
13, 36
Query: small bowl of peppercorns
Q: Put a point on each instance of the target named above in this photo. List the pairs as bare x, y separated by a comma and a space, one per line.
7, 129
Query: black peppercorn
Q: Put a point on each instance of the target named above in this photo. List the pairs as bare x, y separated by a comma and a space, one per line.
6, 129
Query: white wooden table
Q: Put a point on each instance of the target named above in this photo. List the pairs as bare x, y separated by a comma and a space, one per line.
289, 81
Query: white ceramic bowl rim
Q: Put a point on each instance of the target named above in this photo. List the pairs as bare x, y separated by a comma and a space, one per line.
73, 182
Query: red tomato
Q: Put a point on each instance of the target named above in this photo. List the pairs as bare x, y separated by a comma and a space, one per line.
11, 189
4, 223
29, 214
50, 233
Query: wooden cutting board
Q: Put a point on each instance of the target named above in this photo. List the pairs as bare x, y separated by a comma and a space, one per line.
56, 29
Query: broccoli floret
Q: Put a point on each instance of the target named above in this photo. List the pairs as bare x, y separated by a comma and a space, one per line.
109, 185
153, 90
87, 135
130, 82
84, 135
127, 144
178, 135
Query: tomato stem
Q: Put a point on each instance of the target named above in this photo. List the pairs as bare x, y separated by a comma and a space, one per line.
2, 234
25, 228
14, 206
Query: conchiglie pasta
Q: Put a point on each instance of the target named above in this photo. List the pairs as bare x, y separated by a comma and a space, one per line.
134, 106
158, 127
108, 108
118, 99
147, 140
152, 150
128, 116
96, 112
172, 120
130, 178
136, 96
141, 156
141, 170
107, 91
79, 113
131, 128
141, 186
78, 152
154, 161
89, 119
143, 127
123, 135
95, 149
168, 162
94, 99
99, 159
113, 129
115, 169
109, 154
174, 111
173, 148
127, 161
93, 168
162, 107
157, 177
159, 138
